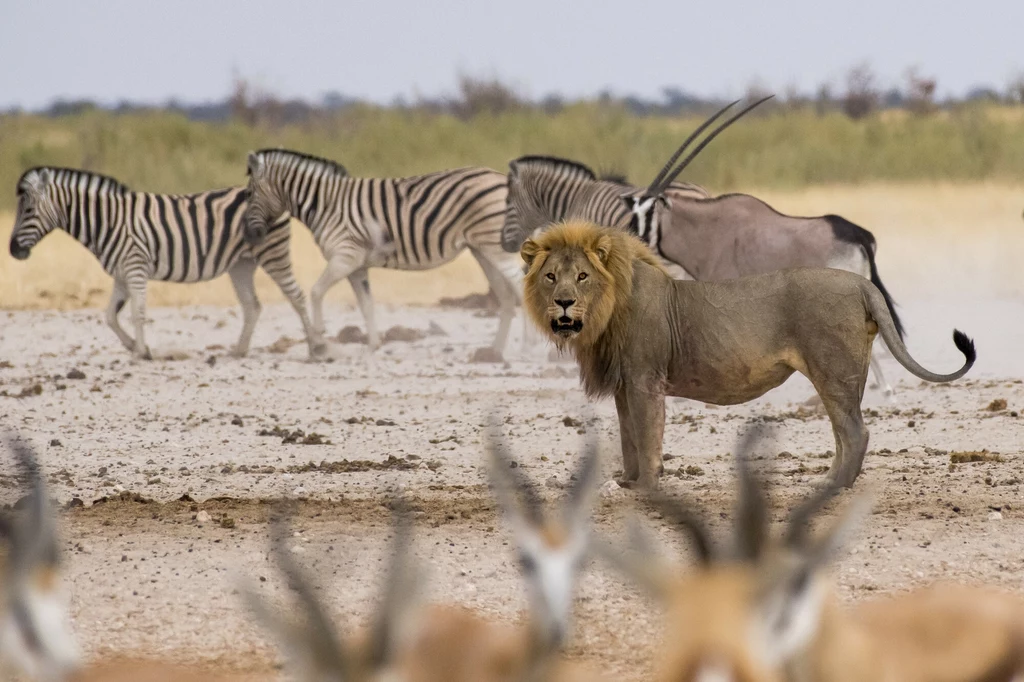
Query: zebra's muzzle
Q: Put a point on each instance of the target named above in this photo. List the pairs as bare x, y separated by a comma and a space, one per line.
20, 252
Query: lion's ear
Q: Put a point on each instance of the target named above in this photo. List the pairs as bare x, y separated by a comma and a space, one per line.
603, 248
529, 251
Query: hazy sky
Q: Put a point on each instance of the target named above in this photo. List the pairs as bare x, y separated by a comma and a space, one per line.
152, 51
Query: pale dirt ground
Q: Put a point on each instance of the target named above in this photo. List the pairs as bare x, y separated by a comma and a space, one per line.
148, 580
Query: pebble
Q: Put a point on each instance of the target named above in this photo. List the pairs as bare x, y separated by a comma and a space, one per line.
203, 517
995, 516
609, 489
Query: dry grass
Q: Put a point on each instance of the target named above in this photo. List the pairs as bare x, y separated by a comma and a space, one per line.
935, 238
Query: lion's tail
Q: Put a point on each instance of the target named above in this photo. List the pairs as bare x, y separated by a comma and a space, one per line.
879, 310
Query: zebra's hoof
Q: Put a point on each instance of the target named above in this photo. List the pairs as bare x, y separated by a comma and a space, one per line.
318, 352
142, 353
237, 352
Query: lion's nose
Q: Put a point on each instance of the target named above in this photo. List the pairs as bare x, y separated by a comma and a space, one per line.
565, 303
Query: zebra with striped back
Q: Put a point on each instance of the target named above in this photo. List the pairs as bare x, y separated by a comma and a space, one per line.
139, 236
412, 223
547, 189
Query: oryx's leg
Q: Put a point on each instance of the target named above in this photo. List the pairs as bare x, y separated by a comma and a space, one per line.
274, 257
505, 291
630, 464
137, 295
360, 281
241, 274
647, 426
876, 370
342, 262
118, 297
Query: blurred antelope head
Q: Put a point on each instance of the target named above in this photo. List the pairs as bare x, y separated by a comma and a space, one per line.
35, 634
748, 610
552, 546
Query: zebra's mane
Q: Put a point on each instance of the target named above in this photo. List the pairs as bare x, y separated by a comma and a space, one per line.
77, 174
556, 162
615, 178
302, 156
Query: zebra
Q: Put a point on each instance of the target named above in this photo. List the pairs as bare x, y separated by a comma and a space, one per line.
411, 223
138, 236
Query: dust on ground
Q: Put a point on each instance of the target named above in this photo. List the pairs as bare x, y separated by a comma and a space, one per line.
176, 461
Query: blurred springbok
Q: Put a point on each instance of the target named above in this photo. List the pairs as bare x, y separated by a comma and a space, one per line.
411, 642
766, 611
35, 634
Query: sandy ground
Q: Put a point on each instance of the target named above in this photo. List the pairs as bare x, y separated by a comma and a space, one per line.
148, 579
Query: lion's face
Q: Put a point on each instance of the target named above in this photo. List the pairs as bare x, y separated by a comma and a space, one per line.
567, 291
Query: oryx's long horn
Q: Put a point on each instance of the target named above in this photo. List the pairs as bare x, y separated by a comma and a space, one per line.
707, 140
656, 185
693, 524
752, 520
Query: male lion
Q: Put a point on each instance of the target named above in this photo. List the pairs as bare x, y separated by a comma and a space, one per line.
640, 335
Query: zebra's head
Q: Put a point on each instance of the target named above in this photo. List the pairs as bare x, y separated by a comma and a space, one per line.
265, 204
38, 212
35, 635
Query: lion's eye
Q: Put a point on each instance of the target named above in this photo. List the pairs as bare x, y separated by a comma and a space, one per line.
580, 277
550, 276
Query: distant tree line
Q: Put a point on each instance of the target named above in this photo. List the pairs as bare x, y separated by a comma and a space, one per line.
859, 96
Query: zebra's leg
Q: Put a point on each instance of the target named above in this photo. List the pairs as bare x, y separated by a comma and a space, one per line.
360, 281
118, 297
137, 295
342, 263
273, 256
241, 274
507, 298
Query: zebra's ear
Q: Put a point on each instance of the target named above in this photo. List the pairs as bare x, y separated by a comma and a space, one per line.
255, 165
37, 180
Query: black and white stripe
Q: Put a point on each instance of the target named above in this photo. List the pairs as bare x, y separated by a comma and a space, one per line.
546, 189
412, 223
138, 236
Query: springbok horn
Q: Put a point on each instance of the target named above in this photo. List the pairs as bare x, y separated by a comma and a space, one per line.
704, 143
398, 587
682, 514
321, 630
509, 481
655, 187
752, 519
796, 532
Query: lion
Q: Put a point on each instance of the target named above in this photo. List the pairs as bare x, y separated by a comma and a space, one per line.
639, 335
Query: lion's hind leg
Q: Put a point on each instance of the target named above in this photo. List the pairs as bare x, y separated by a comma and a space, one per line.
839, 380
